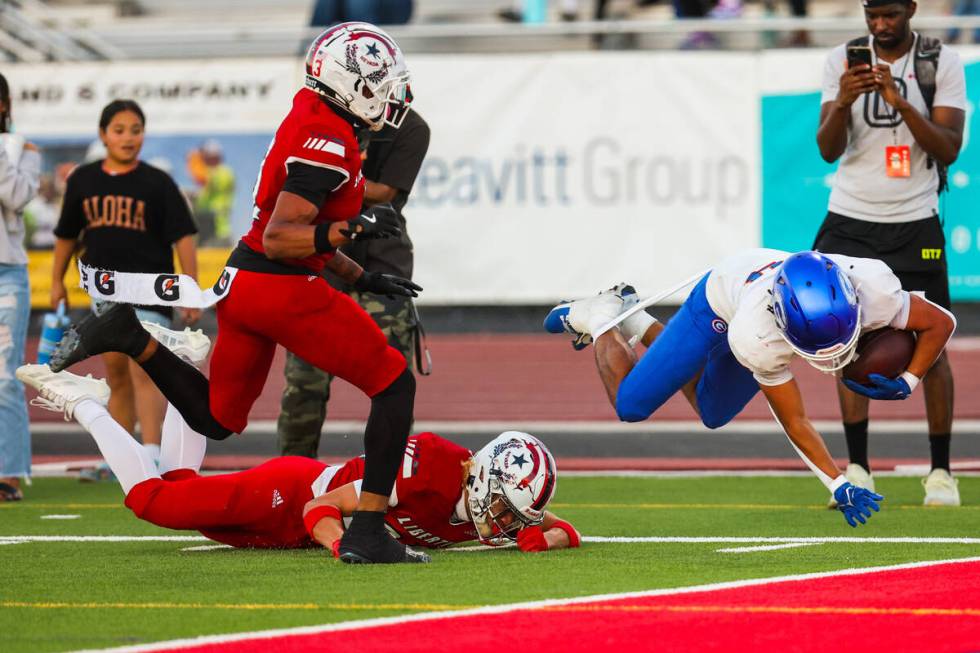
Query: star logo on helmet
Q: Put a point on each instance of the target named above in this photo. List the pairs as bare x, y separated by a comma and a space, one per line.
372, 49
520, 461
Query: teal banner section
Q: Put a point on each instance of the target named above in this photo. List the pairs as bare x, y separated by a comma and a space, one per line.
796, 184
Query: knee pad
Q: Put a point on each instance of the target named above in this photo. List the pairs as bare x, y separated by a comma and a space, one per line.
628, 407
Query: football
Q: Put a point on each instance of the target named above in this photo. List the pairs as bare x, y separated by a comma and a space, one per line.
882, 351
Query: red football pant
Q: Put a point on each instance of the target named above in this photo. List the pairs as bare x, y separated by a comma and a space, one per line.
323, 326
260, 507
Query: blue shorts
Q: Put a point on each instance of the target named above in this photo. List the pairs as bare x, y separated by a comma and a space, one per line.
695, 341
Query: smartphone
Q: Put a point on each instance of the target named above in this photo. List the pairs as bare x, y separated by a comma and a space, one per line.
858, 55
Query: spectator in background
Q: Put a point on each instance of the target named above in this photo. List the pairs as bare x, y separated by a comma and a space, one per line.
392, 160
130, 217
41, 215
567, 10
214, 201
378, 12
20, 172
894, 139
965, 8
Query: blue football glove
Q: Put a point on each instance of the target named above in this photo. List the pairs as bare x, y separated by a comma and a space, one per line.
856, 503
881, 387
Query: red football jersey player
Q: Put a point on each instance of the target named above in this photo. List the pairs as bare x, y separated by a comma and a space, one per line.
307, 200
443, 493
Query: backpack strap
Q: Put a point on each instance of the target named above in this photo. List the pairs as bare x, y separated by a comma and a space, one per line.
926, 64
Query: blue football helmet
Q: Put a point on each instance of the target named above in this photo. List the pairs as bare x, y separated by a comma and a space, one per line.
817, 310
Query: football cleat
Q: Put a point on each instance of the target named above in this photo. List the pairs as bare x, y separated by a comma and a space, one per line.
192, 346
60, 392
941, 489
366, 542
857, 476
115, 329
582, 316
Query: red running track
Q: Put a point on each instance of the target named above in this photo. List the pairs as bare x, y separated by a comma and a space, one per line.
934, 608
528, 377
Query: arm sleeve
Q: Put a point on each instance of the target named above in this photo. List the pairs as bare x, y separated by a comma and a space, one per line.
405, 159
178, 220
950, 80
832, 70
72, 219
313, 181
19, 182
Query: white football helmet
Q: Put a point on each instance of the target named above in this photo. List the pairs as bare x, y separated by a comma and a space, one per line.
360, 69
511, 481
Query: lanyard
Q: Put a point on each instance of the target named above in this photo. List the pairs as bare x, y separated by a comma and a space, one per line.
901, 76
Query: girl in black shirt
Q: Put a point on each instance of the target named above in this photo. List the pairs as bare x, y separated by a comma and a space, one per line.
130, 217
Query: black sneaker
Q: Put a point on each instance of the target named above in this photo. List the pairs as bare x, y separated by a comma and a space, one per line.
117, 329
366, 542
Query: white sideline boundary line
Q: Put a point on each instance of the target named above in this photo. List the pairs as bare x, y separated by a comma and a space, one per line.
588, 538
511, 607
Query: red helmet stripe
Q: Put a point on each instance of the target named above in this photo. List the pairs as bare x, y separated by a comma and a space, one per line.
375, 35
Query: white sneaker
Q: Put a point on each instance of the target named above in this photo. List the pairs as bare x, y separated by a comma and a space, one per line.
583, 316
857, 476
941, 489
192, 346
60, 392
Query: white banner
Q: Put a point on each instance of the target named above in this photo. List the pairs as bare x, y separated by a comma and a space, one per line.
560, 175
178, 97
548, 176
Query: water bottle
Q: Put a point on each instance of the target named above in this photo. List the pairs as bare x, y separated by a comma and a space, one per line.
54, 328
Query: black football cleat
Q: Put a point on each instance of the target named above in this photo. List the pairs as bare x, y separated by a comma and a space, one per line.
116, 329
366, 542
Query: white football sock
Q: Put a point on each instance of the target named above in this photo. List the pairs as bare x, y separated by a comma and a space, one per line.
636, 325
127, 458
153, 450
181, 447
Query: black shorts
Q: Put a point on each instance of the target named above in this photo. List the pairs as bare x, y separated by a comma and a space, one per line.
915, 251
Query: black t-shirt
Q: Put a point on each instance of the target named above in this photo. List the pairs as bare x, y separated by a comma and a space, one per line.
128, 222
394, 156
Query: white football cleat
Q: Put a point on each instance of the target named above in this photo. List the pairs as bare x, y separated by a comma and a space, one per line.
941, 489
583, 316
857, 476
192, 346
60, 392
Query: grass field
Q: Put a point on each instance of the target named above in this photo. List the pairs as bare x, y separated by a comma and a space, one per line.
67, 595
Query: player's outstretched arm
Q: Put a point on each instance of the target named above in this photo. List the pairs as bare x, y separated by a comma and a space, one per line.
855, 503
323, 515
551, 534
787, 406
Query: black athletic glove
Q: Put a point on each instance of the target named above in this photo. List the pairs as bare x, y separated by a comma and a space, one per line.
386, 284
379, 221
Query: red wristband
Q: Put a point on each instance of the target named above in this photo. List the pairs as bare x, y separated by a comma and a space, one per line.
336, 548
573, 537
312, 517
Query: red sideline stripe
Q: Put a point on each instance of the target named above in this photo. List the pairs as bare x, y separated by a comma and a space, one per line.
229, 463
936, 608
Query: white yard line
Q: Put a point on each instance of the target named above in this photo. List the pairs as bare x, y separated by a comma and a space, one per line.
771, 547
511, 607
210, 547
61, 516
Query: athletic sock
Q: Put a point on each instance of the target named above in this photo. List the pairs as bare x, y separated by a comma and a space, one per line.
127, 458
939, 449
187, 389
856, 435
386, 434
154, 451
636, 325
181, 447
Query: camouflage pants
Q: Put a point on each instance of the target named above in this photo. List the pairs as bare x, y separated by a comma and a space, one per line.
304, 401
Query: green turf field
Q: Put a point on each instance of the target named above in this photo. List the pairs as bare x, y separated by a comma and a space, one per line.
58, 596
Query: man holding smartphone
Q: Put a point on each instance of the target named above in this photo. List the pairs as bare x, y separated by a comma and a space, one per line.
893, 113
